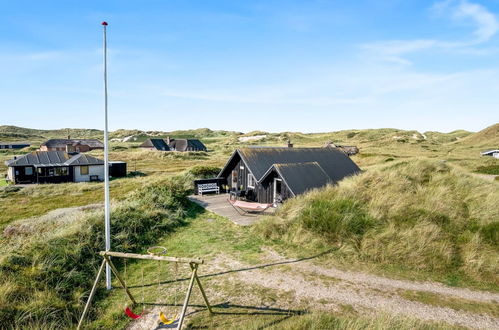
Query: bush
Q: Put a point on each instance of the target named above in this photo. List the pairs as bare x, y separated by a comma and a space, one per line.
415, 215
335, 219
46, 281
351, 135
204, 171
489, 169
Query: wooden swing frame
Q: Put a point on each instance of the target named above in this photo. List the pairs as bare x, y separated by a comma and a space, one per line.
106, 255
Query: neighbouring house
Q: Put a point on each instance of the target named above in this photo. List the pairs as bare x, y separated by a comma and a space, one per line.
349, 150
155, 144
491, 153
174, 145
271, 175
13, 145
54, 167
186, 145
71, 145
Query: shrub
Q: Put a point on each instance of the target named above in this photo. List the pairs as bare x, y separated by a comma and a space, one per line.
204, 171
335, 218
415, 215
46, 280
351, 135
489, 169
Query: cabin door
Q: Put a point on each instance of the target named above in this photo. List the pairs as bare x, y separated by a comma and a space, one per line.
277, 190
234, 180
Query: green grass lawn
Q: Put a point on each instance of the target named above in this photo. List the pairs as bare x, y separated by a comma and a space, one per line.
209, 236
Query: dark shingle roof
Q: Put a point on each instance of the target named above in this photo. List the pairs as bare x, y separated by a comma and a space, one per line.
59, 143
158, 144
187, 144
14, 143
56, 158
300, 177
335, 163
53, 158
83, 159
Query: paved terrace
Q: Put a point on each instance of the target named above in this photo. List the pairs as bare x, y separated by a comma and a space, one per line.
218, 204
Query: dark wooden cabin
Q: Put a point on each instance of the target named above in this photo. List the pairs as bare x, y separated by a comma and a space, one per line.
186, 145
155, 144
54, 167
271, 175
13, 145
71, 145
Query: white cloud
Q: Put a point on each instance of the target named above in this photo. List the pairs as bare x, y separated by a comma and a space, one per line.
487, 24
486, 27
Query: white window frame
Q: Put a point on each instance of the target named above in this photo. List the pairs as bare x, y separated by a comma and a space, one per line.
251, 181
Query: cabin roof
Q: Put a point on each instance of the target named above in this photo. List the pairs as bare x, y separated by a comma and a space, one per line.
3, 143
53, 158
158, 144
83, 159
300, 177
59, 143
184, 144
333, 162
489, 151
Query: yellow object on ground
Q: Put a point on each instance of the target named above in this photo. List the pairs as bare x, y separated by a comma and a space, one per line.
164, 320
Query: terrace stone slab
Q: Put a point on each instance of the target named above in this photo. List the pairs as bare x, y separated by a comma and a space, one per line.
218, 204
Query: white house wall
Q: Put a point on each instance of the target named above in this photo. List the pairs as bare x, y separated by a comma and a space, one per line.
10, 173
92, 170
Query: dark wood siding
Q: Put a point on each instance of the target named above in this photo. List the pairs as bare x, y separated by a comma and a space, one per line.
262, 192
21, 177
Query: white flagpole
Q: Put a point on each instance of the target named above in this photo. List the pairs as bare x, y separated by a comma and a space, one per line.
107, 218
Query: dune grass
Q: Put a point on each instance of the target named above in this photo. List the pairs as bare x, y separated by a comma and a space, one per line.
418, 217
44, 280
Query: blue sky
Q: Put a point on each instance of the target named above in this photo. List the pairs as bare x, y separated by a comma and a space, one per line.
307, 66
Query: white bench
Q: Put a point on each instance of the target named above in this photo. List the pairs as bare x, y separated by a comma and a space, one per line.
208, 187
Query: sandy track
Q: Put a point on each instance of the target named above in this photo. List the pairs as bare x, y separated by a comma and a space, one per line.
328, 289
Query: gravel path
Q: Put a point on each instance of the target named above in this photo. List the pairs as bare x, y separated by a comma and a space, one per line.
328, 289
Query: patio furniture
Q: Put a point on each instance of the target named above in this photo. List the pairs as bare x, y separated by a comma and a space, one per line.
248, 207
208, 187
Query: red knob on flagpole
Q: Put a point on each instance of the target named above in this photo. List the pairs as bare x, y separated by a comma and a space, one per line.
104, 23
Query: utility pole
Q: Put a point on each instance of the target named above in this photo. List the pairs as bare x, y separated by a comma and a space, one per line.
107, 210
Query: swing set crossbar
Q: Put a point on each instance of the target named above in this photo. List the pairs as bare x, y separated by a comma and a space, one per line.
151, 257
194, 279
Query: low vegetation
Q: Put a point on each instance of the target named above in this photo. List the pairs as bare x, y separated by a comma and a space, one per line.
46, 266
417, 216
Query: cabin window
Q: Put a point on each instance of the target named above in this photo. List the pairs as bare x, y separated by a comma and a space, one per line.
84, 170
251, 181
28, 170
59, 171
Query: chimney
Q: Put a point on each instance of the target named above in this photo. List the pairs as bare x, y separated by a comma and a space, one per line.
290, 145
69, 137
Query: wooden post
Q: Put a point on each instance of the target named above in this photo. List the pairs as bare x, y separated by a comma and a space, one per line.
123, 284
193, 263
92, 293
202, 290
187, 296
150, 257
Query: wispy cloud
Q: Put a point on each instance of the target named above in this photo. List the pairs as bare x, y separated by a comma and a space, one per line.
486, 27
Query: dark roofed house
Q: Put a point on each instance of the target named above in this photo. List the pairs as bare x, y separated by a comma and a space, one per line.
71, 145
54, 167
13, 145
174, 144
155, 144
270, 175
491, 153
186, 145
